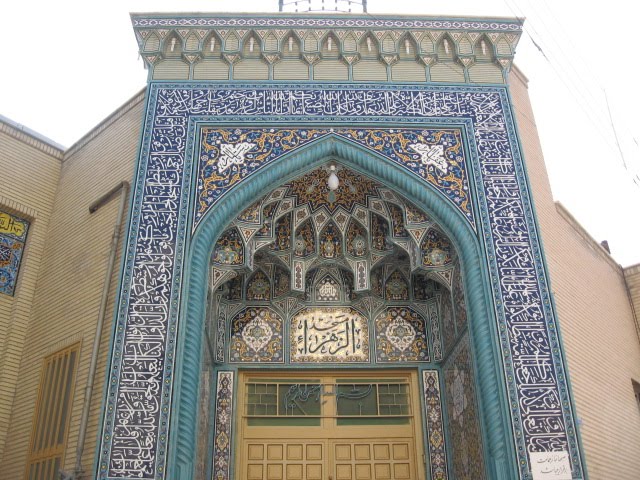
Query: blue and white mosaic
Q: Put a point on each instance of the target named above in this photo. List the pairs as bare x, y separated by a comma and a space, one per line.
255, 21
134, 438
435, 425
467, 459
401, 336
256, 336
228, 156
222, 439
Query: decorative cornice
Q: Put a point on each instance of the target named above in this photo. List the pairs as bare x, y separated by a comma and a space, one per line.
271, 58
351, 58
311, 59
239, 20
231, 58
191, 57
428, 59
310, 33
389, 59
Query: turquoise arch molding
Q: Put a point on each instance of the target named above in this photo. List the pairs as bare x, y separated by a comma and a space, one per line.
494, 418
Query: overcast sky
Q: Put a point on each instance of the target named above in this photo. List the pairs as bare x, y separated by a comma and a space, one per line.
68, 64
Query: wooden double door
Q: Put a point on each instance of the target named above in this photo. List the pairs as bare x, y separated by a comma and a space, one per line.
362, 425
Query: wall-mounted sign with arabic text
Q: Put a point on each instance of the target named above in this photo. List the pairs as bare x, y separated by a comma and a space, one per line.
329, 335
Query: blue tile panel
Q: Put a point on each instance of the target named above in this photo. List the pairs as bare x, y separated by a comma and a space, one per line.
401, 336
222, 439
436, 440
13, 235
256, 336
228, 156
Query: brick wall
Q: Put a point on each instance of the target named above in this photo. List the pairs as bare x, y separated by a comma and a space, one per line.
72, 274
27, 192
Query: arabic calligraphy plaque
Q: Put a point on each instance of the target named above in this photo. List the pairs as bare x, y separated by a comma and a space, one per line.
334, 335
550, 465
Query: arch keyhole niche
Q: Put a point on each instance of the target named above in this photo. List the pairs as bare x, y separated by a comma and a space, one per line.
356, 281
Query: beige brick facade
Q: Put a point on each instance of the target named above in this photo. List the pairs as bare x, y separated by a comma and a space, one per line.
72, 265
28, 192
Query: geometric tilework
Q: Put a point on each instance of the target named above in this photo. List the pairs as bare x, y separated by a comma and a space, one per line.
448, 321
531, 357
229, 155
256, 336
435, 425
353, 21
13, 233
401, 336
466, 453
222, 440
434, 325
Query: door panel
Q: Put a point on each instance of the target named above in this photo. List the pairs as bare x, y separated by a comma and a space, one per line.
284, 460
329, 426
373, 460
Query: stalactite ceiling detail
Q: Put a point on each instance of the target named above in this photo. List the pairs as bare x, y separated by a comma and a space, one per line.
362, 229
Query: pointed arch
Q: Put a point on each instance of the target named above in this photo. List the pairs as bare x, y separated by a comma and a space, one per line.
172, 45
484, 49
192, 42
464, 46
485, 68
251, 45
388, 44
369, 67
483, 337
408, 68
407, 47
152, 43
446, 47
331, 46
292, 46
350, 44
212, 45
231, 42
271, 42
369, 46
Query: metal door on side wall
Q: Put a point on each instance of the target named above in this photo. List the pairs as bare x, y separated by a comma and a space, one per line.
356, 425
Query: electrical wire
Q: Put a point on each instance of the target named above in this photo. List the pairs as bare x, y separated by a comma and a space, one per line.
578, 90
558, 62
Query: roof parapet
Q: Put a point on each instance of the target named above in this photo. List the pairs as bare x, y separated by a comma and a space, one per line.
208, 46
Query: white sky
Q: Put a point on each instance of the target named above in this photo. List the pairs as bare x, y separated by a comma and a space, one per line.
68, 64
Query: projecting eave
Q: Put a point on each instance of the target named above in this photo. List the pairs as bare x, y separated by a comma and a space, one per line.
332, 20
